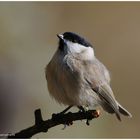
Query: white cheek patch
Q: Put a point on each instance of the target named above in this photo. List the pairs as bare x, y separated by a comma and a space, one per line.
75, 47
86, 52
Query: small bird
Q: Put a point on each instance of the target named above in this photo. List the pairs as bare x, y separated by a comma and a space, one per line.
75, 77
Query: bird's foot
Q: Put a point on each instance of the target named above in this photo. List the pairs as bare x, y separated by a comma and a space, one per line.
82, 109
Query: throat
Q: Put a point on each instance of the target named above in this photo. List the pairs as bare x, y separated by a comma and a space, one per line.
61, 45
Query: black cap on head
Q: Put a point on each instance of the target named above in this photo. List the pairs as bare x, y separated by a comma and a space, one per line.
75, 38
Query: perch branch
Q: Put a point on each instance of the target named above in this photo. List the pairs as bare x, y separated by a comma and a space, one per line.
57, 119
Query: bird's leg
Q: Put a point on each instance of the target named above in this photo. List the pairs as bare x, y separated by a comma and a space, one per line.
61, 113
84, 109
65, 110
81, 108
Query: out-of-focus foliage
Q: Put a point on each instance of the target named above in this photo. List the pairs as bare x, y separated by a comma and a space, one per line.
28, 41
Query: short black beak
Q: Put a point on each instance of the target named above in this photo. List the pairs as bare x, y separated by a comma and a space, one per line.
60, 36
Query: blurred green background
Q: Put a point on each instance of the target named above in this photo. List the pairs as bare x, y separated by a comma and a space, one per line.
27, 43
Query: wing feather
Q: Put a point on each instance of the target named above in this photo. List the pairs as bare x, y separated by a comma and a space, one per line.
98, 78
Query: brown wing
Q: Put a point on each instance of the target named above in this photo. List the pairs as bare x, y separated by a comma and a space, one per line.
98, 81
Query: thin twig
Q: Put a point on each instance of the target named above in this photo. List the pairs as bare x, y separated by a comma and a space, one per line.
57, 119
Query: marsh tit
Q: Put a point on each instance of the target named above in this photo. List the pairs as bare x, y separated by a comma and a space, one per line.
75, 77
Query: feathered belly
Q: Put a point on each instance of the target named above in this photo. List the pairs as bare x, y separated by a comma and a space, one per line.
67, 86
72, 90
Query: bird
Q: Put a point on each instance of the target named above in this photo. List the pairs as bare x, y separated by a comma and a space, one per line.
75, 77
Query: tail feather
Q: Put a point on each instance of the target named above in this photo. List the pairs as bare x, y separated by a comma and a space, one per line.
120, 110
109, 109
123, 111
118, 116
